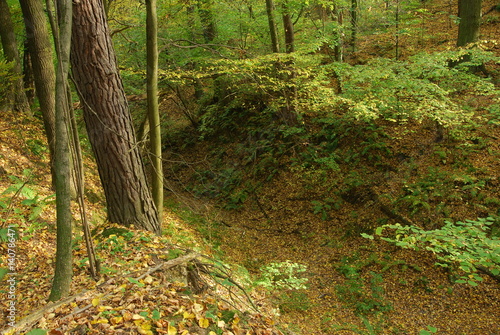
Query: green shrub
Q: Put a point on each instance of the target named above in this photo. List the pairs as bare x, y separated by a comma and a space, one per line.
464, 246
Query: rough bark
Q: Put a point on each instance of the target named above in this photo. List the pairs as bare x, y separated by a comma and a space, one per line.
11, 52
109, 124
273, 31
469, 12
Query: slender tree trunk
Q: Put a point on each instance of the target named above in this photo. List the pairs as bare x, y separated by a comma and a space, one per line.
28, 77
273, 30
64, 264
207, 20
469, 12
338, 15
289, 32
40, 49
152, 99
109, 124
397, 29
11, 52
190, 12
354, 23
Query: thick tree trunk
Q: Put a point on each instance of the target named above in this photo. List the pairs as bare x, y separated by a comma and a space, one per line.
42, 61
469, 12
152, 98
109, 124
11, 52
273, 31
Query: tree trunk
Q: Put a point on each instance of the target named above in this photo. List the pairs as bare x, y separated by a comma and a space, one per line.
469, 12
11, 53
109, 124
273, 31
64, 264
338, 16
288, 26
40, 49
190, 12
354, 23
207, 20
152, 103
28, 77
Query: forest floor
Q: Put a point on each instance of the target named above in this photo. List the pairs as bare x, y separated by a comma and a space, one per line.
143, 286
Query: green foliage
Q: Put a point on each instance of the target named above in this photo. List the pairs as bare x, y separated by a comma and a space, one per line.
494, 114
20, 201
37, 331
364, 294
461, 246
429, 331
6, 79
420, 88
283, 275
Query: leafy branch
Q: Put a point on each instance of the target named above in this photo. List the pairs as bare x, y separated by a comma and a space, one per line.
465, 246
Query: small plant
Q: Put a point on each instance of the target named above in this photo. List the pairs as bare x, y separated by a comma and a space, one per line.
363, 294
283, 275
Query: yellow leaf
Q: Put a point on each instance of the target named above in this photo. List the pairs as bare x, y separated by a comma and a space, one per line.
137, 317
172, 330
127, 316
99, 321
145, 328
95, 301
203, 323
103, 308
197, 308
212, 333
116, 320
188, 315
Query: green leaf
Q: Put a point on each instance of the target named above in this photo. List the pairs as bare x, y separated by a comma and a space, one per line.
379, 230
3, 273
156, 315
37, 331
227, 282
135, 281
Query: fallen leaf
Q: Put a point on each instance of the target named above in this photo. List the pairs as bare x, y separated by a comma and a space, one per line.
203, 323
172, 330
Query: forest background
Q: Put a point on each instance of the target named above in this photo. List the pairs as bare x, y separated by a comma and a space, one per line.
342, 157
